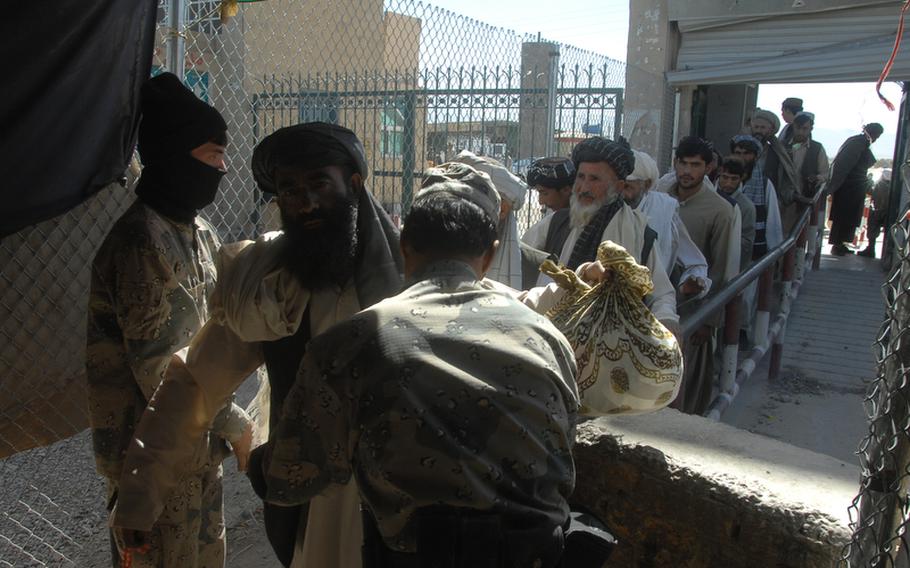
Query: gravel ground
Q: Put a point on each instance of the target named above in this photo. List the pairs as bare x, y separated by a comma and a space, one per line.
53, 509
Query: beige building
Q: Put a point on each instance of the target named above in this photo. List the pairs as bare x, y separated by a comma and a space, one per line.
283, 62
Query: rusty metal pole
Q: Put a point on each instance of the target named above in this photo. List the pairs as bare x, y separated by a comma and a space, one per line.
777, 348
763, 309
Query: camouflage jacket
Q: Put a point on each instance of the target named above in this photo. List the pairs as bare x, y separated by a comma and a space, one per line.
149, 287
452, 392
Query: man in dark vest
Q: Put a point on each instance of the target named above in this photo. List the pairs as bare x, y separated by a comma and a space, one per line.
776, 166
598, 213
338, 253
849, 186
809, 157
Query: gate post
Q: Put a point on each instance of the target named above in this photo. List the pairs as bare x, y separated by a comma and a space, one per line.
176, 43
409, 149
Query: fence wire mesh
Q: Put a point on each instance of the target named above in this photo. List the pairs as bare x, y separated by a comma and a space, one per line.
880, 515
417, 83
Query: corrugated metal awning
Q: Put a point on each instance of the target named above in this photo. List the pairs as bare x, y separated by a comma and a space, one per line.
837, 45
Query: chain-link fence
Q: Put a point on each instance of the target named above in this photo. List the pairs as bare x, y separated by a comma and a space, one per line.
880, 514
417, 83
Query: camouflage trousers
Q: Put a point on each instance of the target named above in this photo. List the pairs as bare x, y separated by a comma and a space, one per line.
190, 532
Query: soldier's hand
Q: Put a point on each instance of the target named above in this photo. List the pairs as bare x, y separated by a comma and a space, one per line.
131, 541
594, 273
242, 448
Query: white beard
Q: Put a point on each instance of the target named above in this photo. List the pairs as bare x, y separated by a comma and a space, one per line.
580, 215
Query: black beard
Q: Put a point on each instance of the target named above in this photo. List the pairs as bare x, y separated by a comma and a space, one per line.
324, 256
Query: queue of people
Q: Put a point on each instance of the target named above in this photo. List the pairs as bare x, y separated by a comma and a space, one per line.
418, 399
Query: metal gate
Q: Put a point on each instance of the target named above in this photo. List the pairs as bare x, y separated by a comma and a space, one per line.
409, 122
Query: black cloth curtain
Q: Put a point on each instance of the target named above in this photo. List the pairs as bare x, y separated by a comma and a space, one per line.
69, 106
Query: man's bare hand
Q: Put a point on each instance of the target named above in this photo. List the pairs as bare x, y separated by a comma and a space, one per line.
594, 273
242, 448
701, 335
691, 286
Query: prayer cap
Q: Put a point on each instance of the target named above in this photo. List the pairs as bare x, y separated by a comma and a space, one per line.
554, 173
808, 115
174, 120
461, 180
792, 102
310, 145
616, 153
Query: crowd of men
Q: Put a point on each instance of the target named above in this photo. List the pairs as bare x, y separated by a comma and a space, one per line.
419, 405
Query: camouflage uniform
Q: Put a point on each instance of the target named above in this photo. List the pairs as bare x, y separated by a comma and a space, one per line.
150, 282
450, 393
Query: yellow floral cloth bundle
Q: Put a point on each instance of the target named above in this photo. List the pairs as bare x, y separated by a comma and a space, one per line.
628, 362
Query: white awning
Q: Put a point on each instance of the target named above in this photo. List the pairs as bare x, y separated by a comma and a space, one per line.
836, 45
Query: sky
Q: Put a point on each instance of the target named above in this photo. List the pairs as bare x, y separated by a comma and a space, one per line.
603, 27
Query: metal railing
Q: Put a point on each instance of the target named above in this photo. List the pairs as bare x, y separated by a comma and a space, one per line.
796, 256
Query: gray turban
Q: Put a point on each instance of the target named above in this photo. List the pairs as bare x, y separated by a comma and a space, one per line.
463, 181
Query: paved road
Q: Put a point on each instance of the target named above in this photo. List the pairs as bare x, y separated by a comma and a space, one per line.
817, 403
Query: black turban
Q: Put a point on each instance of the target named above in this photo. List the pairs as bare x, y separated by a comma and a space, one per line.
554, 173
174, 120
616, 153
874, 129
309, 146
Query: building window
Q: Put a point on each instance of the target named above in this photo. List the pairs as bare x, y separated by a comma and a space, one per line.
391, 140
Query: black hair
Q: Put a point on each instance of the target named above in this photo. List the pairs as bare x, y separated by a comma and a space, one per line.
792, 108
690, 146
442, 224
734, 165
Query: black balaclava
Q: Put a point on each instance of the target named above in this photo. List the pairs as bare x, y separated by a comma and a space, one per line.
174, 122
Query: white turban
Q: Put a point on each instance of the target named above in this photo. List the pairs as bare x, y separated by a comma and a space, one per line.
645, 169
506, 265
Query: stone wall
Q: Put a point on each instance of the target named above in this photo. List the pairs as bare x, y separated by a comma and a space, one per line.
682, 491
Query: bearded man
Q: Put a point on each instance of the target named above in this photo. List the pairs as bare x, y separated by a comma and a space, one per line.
809, 157
773, 163
598, 213
337, 253
760, 191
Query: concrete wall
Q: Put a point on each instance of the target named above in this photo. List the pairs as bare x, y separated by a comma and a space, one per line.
534, 117
648, 104
727, 109
681, 491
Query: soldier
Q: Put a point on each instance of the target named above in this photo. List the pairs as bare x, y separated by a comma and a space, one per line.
336, 254
149, 289
452, 405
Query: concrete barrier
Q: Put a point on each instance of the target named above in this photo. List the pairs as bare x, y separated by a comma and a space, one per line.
683, 491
